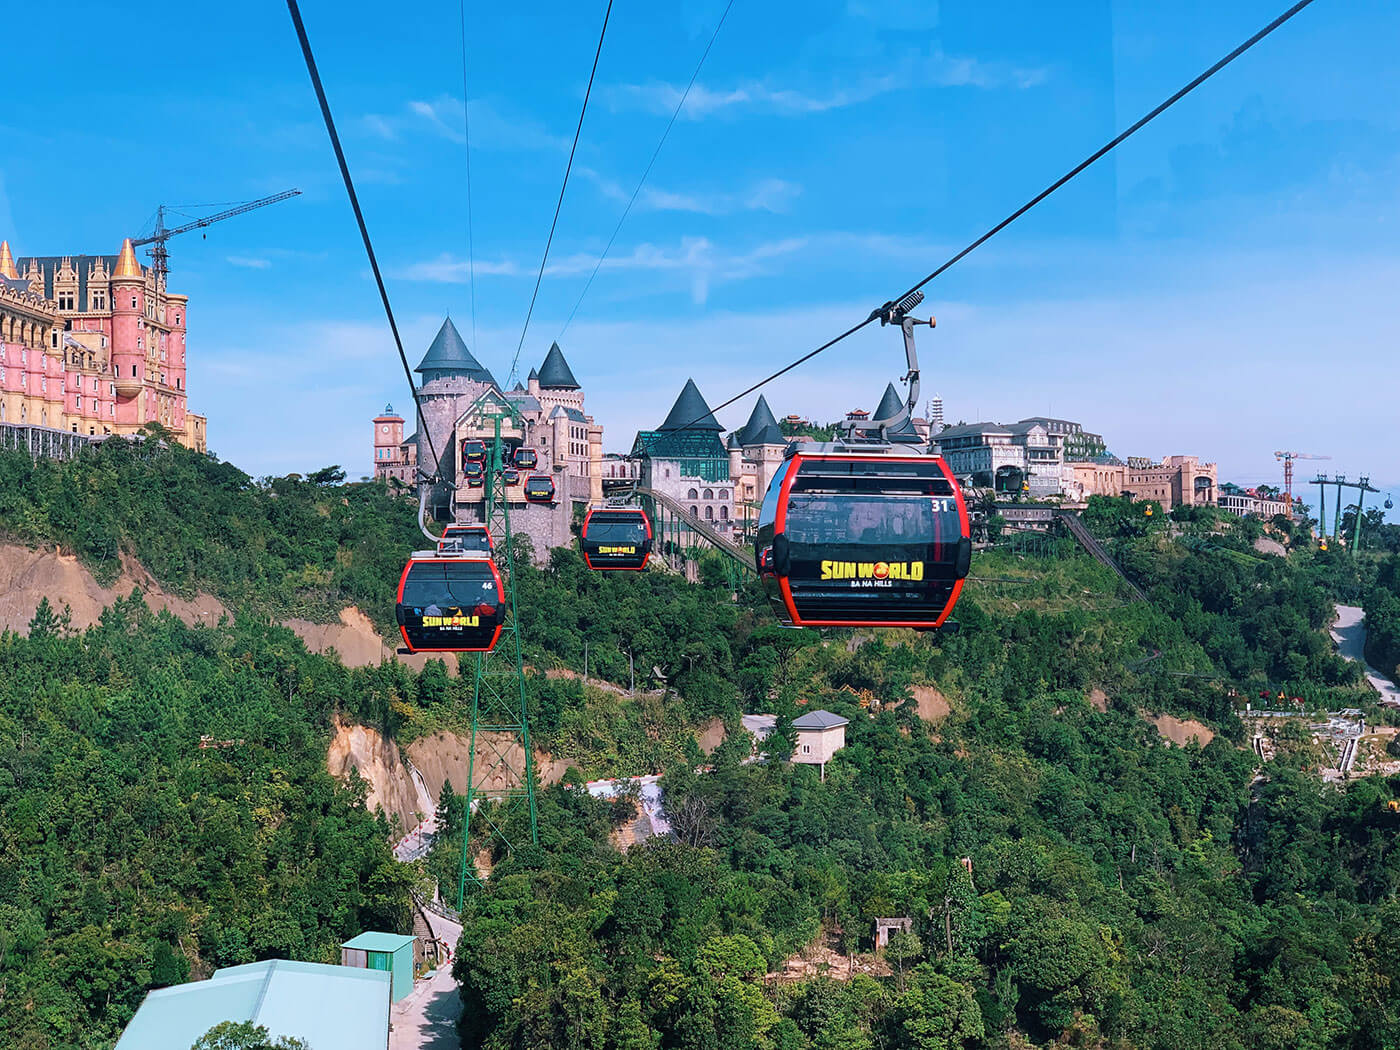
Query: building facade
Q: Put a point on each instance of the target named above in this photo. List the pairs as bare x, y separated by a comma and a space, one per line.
461, 401
1175, 481
395, 457
1248, 503
94, 345
685, 459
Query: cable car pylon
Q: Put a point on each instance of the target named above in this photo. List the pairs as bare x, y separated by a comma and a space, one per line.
502, 784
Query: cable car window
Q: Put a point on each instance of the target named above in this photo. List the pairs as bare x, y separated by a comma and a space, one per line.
448, 584
602, 531
769, 511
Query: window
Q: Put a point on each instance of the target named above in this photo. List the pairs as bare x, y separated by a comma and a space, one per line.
133, 371
65, 300
806, 749
692, 494
53, 339
78, 404
133, 302
94, 384
112, 410
709, 493
99, 299
709, 513
92, 431
723, 493
695, 512
724, 514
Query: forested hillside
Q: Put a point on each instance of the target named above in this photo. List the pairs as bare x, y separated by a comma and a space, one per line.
164, 805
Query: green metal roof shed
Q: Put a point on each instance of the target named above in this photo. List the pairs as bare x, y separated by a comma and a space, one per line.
382, 951
331, 1007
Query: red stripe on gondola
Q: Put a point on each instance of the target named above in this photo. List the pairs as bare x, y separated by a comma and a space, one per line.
500, 596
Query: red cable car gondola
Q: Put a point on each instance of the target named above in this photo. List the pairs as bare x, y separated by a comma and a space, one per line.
468, 537
616, 538
473, 451
851, 539
526, 458
539, 488
450, 603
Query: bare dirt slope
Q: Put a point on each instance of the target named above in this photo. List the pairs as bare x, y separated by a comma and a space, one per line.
391, 787
26, 576
1179, 730
445, 756
931, 705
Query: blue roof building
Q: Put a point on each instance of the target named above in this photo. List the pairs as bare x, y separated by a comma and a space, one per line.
331, 1007
383, 951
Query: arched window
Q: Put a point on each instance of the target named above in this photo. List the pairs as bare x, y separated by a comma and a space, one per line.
724, 514
723, 493
709, 513
692, 494
709, 493
695, 512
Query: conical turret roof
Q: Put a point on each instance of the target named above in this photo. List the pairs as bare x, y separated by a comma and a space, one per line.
690, 412
533, 377
890, 405
7, 262
762, 427
127, 266
555, 372
448, 353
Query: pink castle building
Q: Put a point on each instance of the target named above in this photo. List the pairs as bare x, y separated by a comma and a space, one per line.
93, 344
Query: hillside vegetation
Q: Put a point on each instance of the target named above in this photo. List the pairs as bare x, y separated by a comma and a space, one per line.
1122, 892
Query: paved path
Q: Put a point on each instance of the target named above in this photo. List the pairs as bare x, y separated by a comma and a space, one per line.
1349, 632
426, 1019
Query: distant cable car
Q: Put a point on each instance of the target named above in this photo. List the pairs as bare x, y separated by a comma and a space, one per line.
473, 452
616, 538
475, 475
539, 488
510, 476
450, 603
851, 539
526, 458
468, 537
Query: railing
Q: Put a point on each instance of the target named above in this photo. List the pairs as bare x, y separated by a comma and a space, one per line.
1086, 539
42, 442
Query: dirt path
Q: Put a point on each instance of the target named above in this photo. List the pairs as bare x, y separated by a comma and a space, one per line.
1349, 632
426, 1019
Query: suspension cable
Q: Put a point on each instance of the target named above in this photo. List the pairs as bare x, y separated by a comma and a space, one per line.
655, 153
359, 218
467, 140
1076, 170
583, 110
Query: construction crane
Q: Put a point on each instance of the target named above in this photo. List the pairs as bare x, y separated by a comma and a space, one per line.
160, 256
1288, 458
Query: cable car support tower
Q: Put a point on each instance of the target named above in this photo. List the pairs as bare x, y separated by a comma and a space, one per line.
501, 763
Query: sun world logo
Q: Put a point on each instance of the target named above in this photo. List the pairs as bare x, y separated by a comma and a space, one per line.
617, 550
872, 570
452, 621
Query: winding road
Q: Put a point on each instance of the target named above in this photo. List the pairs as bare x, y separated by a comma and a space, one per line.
1349, 632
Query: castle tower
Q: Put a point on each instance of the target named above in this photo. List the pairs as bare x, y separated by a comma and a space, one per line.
452, 380
176, 307
7, 262
388, 436
935, 414
128, 350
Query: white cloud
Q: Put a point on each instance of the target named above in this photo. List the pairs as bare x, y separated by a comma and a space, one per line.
770, 195
493, 126
934, 70
248, 262
448, 269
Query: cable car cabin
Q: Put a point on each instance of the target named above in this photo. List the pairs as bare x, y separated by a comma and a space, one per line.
510, 476
851, 540
450, 603
473, 452
468, 538
616, 538
539, 488
474, 473
526, 458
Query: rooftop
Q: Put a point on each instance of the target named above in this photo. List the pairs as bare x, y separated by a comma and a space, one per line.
336, 1007
690, 412
555, 372
449, 354
819, 720
370, 941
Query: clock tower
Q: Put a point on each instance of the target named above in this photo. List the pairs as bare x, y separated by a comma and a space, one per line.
390, 457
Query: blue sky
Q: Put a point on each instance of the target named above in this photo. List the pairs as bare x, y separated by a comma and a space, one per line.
1223, 285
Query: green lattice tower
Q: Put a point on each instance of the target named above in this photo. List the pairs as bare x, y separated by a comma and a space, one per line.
500, 727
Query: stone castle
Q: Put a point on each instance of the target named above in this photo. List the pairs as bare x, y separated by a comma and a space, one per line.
93, 345
461, 401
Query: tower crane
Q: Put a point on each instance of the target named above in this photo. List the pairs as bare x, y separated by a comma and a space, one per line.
1288, 458
160, 256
